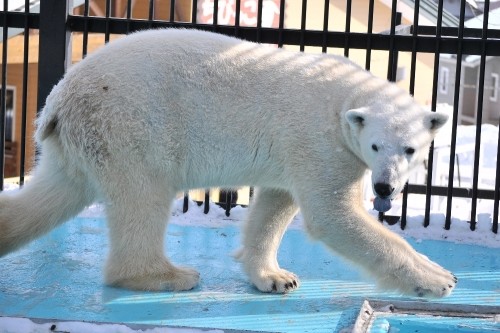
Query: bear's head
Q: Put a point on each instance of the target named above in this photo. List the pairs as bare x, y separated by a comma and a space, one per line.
392, 141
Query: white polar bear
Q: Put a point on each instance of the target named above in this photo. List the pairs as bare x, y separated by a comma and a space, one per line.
164, 111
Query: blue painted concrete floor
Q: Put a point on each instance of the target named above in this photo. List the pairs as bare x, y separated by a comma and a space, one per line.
59, 277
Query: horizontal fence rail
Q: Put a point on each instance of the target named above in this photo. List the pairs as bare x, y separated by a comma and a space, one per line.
55, 25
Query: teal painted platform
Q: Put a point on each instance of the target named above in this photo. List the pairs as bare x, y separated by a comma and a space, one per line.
59, 277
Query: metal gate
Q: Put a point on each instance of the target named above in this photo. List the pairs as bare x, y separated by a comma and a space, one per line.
52, 23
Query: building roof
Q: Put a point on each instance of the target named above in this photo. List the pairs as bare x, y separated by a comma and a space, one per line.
493, 20
429, 9
477, 23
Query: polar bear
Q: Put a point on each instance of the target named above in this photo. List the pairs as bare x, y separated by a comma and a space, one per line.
164, 111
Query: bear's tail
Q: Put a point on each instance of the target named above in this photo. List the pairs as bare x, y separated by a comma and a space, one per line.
54, 194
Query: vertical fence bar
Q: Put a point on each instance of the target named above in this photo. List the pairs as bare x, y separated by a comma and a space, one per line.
107, 15
86, 9
392, 55
185, 202
326, 14
281, 23
3, 95
151, 12
194, 12
225, 199
237, 16
456, 102
369, 32
24, 93
129, 14
303, 21
55, 55
479, 118
413, 63
172, 10
496, 197
206, 207
229, 201
259, 19
430, 163
348, 12
215, 15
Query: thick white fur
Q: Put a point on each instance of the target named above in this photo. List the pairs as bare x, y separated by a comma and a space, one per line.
164, 111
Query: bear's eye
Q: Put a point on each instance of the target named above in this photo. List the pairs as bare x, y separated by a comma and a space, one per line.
374, 147
410, 151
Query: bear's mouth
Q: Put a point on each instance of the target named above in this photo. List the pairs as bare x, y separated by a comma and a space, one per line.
384, 192
382, 204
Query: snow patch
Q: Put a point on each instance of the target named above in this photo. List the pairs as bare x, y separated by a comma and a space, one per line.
14, 325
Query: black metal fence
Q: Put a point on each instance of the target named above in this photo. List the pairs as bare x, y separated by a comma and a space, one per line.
56, 22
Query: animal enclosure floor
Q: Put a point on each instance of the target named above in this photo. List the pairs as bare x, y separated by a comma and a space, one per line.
59, 277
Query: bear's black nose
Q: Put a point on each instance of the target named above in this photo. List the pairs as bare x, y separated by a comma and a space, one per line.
383, 190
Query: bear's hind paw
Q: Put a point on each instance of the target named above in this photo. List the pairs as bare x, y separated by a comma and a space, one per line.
172, 279
279, 281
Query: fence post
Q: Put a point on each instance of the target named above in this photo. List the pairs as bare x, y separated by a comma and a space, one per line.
54, 55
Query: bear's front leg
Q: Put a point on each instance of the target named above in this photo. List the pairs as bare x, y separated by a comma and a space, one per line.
270, 213
345, 227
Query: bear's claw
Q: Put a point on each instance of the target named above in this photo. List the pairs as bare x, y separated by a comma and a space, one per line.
280, 281
420, 277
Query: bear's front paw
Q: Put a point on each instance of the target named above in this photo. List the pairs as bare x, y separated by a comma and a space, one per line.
436, 287
421, 278
433, 280
275, 281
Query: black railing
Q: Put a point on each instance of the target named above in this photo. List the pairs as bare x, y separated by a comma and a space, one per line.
55, 25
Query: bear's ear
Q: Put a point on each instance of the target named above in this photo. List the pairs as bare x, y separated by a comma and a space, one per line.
435, 120
356, 117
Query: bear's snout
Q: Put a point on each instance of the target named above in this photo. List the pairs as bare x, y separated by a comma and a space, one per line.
383, 190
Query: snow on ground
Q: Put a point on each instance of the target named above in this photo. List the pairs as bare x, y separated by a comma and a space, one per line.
15, 325
459, 232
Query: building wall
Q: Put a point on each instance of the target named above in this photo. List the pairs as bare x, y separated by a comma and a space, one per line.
446, 80
15, 79
469, 85
491, 92
468, 94
17, 72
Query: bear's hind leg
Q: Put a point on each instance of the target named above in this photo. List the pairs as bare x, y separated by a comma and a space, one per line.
137, 220
270, 214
